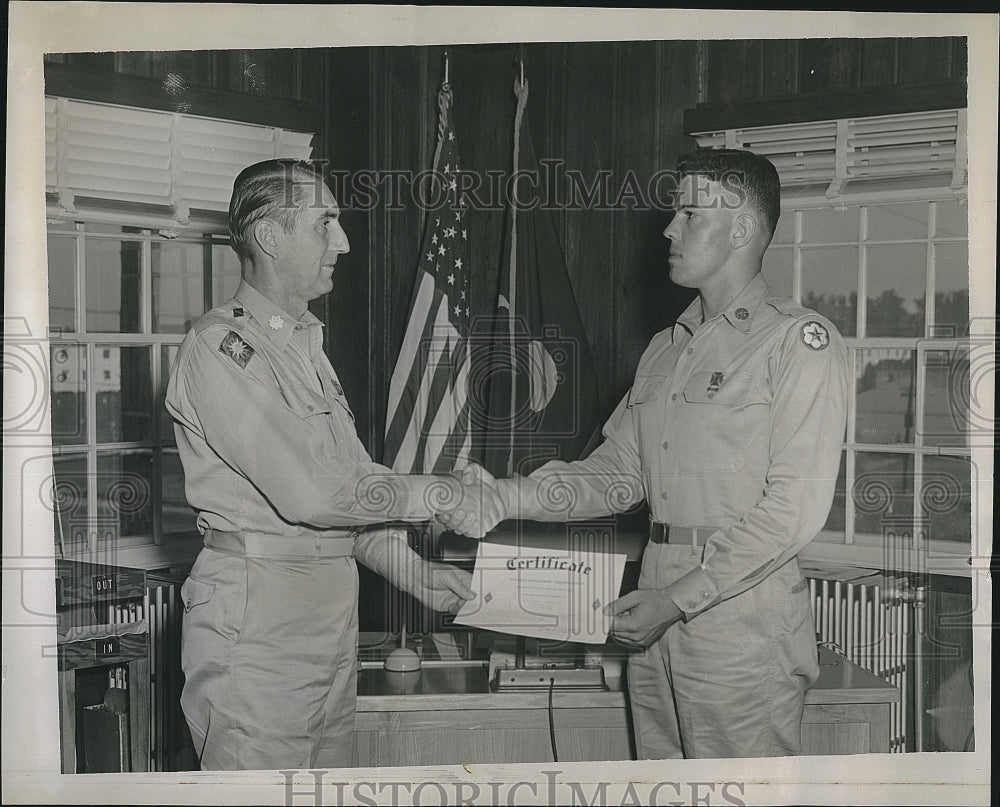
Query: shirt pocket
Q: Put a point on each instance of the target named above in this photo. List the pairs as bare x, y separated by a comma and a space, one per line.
316, 414
644, 389
713, 421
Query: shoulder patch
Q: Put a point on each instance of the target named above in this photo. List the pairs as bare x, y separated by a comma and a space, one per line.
237, 349
815, 335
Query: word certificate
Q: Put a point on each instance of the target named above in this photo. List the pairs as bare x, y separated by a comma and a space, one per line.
544, 593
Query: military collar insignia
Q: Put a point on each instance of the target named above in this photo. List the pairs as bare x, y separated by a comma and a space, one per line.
275, 323
236, 349
815, 335
742, 313
238, 312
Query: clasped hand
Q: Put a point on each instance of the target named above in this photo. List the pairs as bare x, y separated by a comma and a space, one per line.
481, 506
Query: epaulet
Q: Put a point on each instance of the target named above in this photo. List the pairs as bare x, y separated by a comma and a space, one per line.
790, 308
662, 336
230, 315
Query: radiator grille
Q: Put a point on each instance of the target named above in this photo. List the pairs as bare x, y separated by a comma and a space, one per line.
168, 734
873, 627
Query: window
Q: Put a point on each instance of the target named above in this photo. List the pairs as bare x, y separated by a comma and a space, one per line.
121, 300
874, 235
893, 278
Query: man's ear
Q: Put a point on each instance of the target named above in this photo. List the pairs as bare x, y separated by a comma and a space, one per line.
745, 228
265, 236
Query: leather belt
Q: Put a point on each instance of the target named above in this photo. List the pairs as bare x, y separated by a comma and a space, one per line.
255, 545
671, 534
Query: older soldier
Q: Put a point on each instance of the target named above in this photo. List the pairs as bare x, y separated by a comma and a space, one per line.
282, 485
732, 433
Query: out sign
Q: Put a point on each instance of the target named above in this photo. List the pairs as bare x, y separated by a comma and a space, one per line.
104, 585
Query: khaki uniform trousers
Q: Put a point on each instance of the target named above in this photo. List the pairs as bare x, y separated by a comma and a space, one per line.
269, 653
731, 682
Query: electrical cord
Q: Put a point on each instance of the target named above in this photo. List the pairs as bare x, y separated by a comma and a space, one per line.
552, 721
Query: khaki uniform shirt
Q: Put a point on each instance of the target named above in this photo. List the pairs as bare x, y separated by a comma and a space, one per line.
264, 432
736, 423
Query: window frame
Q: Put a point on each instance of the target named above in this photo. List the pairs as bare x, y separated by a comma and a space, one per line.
156, 547
851, 547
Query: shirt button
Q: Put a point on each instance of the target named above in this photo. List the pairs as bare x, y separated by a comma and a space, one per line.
690, 350
673, 397
309, 407
663, 495
692, 604
710, 394
666, 444
705, 594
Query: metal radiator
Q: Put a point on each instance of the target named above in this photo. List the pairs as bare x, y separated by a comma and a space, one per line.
168, 734
873, 623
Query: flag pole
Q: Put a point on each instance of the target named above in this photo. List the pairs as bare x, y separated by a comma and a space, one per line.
521, 91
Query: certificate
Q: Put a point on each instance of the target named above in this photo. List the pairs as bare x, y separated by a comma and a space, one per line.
548, 594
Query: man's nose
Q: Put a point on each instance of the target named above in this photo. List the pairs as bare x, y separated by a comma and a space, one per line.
337, 242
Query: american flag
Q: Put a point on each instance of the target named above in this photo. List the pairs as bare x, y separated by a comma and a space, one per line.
427, 420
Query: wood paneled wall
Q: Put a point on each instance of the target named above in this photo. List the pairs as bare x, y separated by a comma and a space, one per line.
740, 70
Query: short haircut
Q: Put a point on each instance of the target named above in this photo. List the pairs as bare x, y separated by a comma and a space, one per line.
265, 190
748, 173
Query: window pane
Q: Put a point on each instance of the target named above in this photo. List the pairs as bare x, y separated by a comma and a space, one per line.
946, 498
883, 489
837, 520
113, 285
225, 273
69, 501
123, 385
167, 355
830, 225
784, 232
952, 219
830, 285
177, 515
69, 394
178, 285
62, 283
778, 269
897, 283
897, 222
123, 490
951, 289
886, 395
947, 398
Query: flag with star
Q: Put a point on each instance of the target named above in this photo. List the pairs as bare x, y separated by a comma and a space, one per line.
427, 419
543, 399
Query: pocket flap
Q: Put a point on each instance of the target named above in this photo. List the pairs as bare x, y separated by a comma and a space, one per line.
304, 402
195, 593
645, 388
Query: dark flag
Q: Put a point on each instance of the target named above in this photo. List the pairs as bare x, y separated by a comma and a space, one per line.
548, 407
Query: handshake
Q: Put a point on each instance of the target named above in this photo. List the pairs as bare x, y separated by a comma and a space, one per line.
483, 503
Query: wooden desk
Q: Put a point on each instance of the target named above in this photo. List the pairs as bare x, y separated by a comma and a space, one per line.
447, 715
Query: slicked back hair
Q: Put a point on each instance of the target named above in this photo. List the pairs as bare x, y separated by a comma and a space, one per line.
270, 189
749, 174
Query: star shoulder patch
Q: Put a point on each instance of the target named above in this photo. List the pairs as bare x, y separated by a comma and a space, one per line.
815, 335
236, 349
